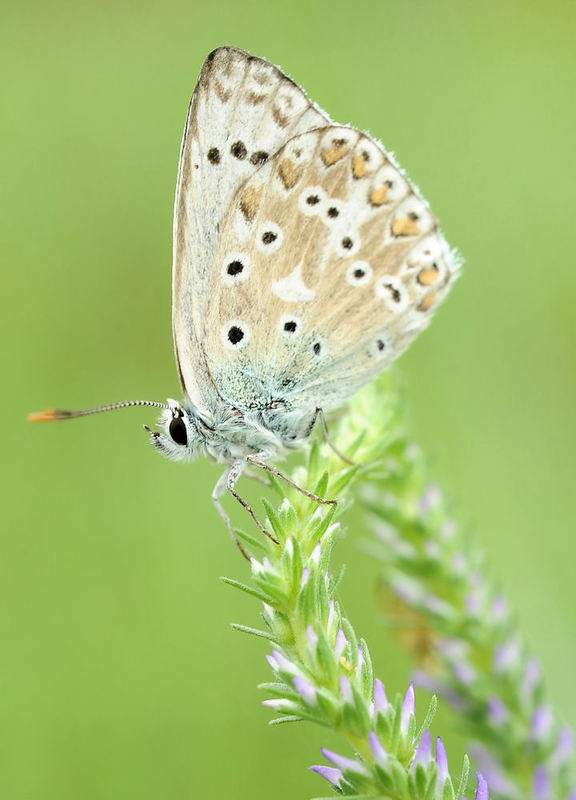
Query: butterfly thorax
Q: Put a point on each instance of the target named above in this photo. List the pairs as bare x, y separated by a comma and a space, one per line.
228, 434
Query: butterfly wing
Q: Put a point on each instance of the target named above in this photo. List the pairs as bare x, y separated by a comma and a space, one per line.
242, 111
329, 264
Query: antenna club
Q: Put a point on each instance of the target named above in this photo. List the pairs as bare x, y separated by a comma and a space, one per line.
49, 415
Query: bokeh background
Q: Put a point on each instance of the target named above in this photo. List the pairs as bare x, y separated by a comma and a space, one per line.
120, 676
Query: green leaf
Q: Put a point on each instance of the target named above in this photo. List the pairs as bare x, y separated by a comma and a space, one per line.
464, 777
274, 520
255, 632
248, 589
430, 714
249, 539
288, 718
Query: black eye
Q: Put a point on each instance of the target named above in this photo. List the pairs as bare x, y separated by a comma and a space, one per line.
178, 432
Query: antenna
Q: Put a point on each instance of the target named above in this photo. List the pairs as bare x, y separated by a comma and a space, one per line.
53, 414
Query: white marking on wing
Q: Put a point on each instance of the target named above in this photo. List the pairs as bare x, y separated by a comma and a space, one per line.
292, 288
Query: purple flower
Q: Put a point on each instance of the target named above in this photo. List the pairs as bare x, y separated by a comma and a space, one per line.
441, 763
423, 754
430, 500
345, 689
481, 788
315, 555
426, 681
311, 638
331, 615
507, 656
408, 706
499, 609
541, 784
282, 663
496, 711
380, 755
331, 774
492, 772
542, 721
464, 673
341, 643
530, 678
343, 763
380, 699
564, 747
306, 691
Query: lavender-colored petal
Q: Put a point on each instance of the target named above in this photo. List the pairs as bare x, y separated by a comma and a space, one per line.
380, 699
464, 673
448, 529
542, 721
492, 772
306, 691
257, 567
506, 656
331, 774
423, 754
531, 677
283, 662
564, 747
408, 706
311, 638
305, 576
360, 657
272, 661
316, 553
499, 608
343, 763
541, 784
441, 762
280, 704
496, 711
430, 499
341, 643
380, 755
481, 788
345, 689
473, 603
431, 684
331, 614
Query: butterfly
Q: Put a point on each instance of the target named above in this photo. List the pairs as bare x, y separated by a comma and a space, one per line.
304, 263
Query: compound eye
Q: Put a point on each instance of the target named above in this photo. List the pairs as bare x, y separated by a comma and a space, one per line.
178, 432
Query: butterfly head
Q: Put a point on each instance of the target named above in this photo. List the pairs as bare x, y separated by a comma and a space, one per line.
181, 433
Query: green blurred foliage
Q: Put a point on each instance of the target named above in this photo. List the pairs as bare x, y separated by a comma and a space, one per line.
120, 677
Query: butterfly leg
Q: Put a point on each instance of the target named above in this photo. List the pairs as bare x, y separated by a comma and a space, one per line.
319, 414
276, 472
231, 477
217, 493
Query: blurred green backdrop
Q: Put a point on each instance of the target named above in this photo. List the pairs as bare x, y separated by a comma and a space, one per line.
120, 677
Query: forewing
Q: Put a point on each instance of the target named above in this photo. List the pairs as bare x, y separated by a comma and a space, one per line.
329, 265
242, 111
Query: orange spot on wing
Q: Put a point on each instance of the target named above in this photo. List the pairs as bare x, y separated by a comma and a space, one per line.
289, 173
405, 226
379, 196
336, 151
427, 302
428, 276
249, 201
359, 168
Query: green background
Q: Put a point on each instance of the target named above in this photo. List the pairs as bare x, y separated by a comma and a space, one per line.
119, 674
